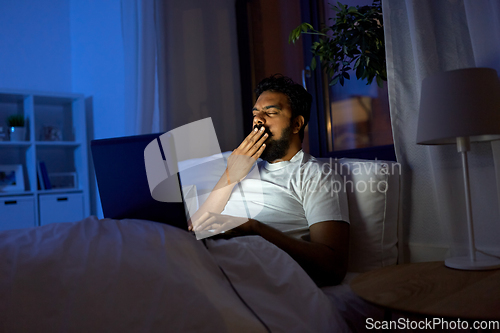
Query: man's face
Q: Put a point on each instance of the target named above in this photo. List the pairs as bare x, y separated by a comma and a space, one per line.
272, 110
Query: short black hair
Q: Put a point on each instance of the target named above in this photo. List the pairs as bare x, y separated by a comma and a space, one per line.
300, 100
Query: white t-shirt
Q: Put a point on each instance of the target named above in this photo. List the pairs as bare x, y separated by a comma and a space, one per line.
290, 195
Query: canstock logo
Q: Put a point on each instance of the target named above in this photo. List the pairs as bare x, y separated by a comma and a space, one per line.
161, 165
163, 157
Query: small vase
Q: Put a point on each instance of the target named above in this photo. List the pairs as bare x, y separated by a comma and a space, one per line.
17, 134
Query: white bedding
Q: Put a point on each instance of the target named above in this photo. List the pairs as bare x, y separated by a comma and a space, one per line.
139, 276
353, 309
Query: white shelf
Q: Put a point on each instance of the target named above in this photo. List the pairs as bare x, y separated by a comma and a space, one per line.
59, 191
15, 194
15, 143
58, 143
56, 135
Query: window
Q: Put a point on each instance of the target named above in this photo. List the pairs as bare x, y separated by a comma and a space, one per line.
351, 120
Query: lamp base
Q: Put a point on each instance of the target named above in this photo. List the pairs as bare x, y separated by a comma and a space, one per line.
480, 264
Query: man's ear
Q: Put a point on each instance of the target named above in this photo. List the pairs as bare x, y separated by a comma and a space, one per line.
298, 122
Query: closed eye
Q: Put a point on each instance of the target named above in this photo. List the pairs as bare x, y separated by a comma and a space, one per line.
266, 113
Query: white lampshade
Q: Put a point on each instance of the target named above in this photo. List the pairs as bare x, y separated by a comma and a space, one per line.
457, 107
459, 103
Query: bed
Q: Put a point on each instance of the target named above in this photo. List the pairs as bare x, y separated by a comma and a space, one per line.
141, 276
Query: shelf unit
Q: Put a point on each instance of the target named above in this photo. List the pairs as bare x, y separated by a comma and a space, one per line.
65, 114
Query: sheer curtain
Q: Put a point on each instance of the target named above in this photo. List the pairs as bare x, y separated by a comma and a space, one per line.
424, 37
139, 42
193, 44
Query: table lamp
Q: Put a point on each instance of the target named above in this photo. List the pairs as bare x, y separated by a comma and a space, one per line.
459, 107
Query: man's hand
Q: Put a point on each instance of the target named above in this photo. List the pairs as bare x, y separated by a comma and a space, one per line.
243, 158
224, 223
239, 164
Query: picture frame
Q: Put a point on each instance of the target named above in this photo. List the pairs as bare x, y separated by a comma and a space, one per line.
63, 180
11, 178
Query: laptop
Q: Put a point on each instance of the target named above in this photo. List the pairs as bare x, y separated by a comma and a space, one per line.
123, 183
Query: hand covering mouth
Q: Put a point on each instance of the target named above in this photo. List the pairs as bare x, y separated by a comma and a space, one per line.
259, 126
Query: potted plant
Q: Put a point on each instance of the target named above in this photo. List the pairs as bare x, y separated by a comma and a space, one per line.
356, 36
16, 127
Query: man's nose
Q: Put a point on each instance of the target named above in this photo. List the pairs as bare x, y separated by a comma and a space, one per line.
258, 119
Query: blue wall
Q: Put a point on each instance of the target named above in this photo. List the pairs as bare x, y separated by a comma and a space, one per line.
97, 62
35, 48
66, 46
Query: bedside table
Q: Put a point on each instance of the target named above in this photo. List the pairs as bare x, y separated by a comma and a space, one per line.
432, 289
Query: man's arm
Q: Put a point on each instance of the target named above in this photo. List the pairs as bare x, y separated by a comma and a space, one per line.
324, 258
215, 202
239, 164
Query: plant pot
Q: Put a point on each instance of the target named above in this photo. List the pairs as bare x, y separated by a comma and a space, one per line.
17, 134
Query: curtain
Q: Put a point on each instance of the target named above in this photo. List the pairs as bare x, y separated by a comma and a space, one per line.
139, 42
196, 74
424, 37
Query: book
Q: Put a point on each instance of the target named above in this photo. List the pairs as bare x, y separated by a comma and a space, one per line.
39, 177
45, 175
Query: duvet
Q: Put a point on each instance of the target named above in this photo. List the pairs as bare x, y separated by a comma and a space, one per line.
140, 276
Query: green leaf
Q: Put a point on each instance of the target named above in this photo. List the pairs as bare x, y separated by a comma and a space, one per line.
297, 34
359, 72
356, 64
306, 26
293, 35
313, 63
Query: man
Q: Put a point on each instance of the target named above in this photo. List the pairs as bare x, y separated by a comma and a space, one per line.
292, 190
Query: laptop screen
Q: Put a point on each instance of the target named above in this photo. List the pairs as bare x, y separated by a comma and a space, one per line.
122, 181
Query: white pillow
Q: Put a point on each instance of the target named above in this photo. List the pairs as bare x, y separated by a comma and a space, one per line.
373, 195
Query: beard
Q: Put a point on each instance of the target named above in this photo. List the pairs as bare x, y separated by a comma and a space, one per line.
276, 149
